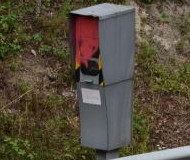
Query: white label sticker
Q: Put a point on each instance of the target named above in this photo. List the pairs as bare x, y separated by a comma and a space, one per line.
91, 96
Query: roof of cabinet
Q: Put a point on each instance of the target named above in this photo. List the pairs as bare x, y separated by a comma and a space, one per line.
104, 11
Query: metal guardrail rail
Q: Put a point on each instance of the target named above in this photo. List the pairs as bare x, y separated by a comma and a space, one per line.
181, 153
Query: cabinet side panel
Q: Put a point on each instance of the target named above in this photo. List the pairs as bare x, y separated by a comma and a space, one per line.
119, 104
117, 47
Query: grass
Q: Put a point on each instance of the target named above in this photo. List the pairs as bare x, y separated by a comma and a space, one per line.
8, 32
141, 132
183, 25
143, 112
154, 79
17, 147
14, 65
162, 78
145, 62
23, 86
44, 124
169, 80
48, 124
164, 18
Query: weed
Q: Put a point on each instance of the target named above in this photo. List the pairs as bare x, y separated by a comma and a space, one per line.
62, 54
6, 122
45, 48
8, 38
14, 66
25, 37
16, 147
146, 60
37, 38
160, 77
50, 124
65, 8
46, 3
144, 19
180, 46
164, 18
141, 132
55, 100
24, 86
171, 81
185, 24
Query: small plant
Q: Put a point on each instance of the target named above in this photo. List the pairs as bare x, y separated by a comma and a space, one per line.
16, 147
185, 24
141, 132
46, 3
175, 81
65, 8
62, 54
180, 45
37, 38
54, 100
14, 66
24, 86
146, 60
164, 18
25, 37
9, 43
45, 48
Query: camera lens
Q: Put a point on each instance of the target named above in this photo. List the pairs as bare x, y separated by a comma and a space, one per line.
91, 69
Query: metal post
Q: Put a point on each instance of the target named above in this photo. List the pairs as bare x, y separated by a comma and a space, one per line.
106, 155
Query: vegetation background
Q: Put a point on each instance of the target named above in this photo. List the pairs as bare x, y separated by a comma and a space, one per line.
38, 108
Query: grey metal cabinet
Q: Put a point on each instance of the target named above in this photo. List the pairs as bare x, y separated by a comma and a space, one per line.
103, 46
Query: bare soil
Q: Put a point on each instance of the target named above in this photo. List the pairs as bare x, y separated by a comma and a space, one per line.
171, 121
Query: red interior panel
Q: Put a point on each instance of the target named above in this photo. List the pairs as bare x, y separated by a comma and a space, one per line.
87, 44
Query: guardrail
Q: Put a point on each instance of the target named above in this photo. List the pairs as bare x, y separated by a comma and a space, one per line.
181, 153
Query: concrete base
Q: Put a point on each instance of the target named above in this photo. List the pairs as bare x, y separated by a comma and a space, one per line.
106, 155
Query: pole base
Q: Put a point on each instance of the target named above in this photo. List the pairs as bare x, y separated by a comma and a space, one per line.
106, 155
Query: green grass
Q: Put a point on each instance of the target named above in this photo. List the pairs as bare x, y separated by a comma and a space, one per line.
143, 113
9, 43
169, 80
14, 65
183, 25
155, 79
45, 48
37, 38
16, 147
164, 18
65, 8
146, 58
162, 78
44, 124
23, 85
48, 124
141, 131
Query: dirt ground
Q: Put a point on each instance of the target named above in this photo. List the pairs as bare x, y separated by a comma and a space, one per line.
171, 125
154, 22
